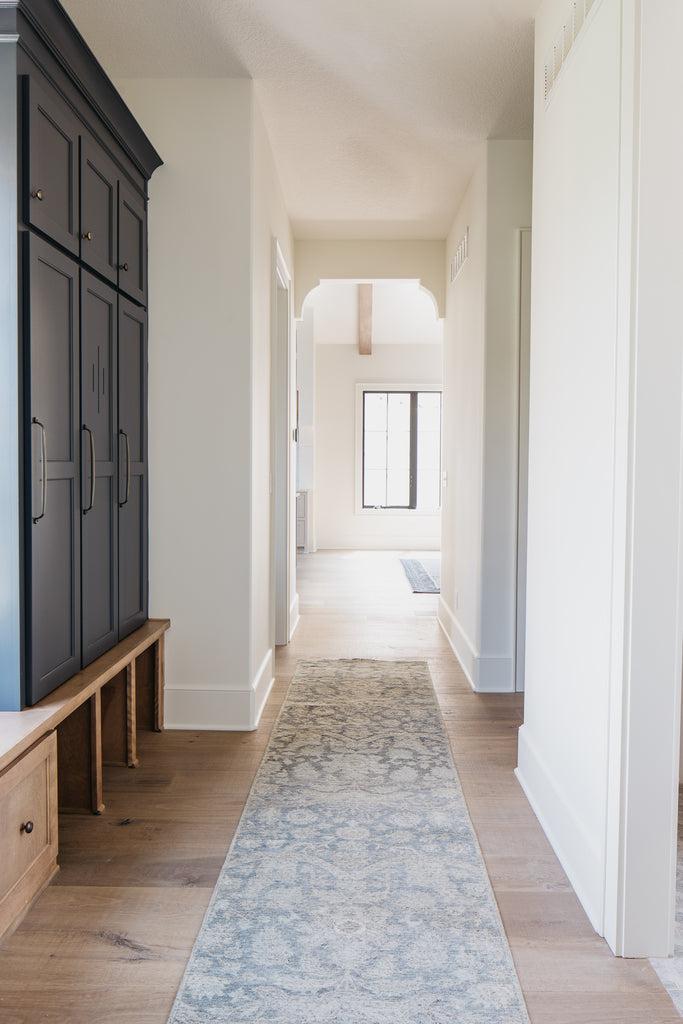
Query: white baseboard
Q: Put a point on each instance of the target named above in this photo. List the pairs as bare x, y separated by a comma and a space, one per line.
222, 710
293, 616
459, 641
261, 687
485, 673
578, 854
495, 674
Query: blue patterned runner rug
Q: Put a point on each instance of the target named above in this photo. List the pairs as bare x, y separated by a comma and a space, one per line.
354, 891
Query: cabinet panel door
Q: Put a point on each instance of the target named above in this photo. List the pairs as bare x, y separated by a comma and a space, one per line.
99, 448
99, 209
133, 467
53, 542
51, 165
132, 243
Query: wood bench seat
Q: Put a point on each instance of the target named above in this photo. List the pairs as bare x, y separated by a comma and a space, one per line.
52, 754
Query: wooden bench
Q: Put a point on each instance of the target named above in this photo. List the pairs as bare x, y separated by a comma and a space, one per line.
94, 718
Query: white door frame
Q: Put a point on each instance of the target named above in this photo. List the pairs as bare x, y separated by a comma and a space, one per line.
523, 449
282, 496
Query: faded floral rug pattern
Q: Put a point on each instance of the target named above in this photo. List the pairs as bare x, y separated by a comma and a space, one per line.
354, 891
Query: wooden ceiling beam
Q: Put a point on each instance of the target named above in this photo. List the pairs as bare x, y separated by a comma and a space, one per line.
365, 319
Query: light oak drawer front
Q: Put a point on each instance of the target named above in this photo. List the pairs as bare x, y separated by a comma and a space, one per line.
28, 837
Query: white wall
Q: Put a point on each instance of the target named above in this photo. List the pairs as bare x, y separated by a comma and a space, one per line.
305, 382
339, 521
598, 753
481, 351
403, 313
270, 224
369, 260
211, 209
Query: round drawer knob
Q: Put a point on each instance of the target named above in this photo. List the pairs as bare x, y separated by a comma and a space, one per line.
27, 828
87, 236
38, 194
123, 266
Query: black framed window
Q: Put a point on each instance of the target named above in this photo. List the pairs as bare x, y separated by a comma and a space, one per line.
402, 449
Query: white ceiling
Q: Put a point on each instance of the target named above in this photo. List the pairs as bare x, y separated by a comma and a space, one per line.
374, 108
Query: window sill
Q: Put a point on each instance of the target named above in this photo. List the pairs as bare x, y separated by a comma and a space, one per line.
408, 513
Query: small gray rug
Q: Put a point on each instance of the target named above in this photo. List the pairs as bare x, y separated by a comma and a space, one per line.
424, 575
354, 891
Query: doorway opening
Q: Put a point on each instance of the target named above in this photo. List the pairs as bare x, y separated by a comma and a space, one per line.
369, 383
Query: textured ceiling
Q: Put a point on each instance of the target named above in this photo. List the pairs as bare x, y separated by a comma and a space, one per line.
374, 108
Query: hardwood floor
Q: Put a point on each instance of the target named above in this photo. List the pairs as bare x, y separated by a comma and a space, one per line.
108, 940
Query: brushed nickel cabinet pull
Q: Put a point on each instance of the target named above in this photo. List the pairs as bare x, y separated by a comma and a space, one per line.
127, 439
38, 194
123, 266
92, 469
43, 462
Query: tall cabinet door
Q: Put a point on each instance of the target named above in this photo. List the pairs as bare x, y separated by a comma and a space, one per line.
132, 467
99, 209
99, 487
53, 549
51, 165
132, 243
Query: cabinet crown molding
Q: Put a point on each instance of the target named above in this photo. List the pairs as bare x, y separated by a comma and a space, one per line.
43, 26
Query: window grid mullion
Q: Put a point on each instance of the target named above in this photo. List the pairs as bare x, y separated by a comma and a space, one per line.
413, 450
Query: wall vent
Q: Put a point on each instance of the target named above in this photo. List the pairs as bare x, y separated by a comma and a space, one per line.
577, 16
460, 255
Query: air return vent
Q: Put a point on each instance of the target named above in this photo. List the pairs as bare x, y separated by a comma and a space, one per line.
460, 255
577, 16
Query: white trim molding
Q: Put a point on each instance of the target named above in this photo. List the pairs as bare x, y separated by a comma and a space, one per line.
570, 839
486, 673
293, 616
221, 710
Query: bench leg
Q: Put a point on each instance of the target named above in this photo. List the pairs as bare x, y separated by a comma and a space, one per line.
119, 725
79, 758
159, 684
131, 717
96, 798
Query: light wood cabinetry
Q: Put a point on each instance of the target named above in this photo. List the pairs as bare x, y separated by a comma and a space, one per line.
51, 756
28, 838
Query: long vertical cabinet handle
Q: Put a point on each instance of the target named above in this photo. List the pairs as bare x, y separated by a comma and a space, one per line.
127, 439
43, 461
92, 469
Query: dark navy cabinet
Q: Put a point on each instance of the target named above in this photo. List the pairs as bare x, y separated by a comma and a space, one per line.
133, 576
132, 244
99, 209
99, 467
73, 356
53, 542
50, 186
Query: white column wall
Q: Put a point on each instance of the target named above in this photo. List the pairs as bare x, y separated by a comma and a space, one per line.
463, 430
598, 753
564, 740
214, 206
481, 370
508, 191
270, 223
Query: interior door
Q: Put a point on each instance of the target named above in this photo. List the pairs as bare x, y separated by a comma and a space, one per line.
132, 441
53, 542
99, 487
